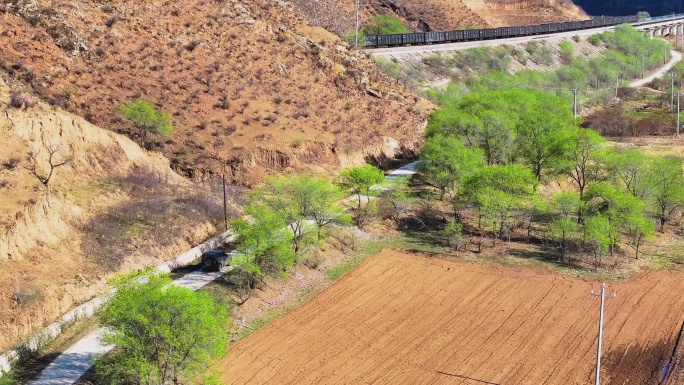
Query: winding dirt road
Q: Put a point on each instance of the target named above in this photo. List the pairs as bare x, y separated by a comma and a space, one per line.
676, 57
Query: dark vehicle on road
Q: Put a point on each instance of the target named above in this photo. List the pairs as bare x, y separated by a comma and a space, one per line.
214, 260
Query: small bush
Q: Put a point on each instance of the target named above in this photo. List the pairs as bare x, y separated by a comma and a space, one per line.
595, 39
23, 297
21, 100
111, 21
539, 53
567, 51
312, 257
192, 45
11, 163
384, 24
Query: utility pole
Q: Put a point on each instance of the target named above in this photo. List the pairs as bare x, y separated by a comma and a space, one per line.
356, 36
617, 83
574, 91
678, 95
600, 336
643, 64
225, 209
672, 90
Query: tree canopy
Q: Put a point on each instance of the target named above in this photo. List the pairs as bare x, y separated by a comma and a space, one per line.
359, 180
147, 119
164, 333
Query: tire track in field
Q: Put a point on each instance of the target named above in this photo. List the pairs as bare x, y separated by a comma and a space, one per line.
401, 319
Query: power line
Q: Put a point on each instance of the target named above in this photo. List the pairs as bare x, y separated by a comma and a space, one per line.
600, 335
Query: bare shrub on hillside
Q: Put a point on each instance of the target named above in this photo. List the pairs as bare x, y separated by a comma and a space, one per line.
539, 53
312, 257
21, 100
324, 15
57, 157
156, 212
11, 163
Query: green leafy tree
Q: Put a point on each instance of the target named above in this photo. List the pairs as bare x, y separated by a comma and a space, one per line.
564, 227
453, 232
359, 180
484, 120
384, 24
164, 333
146, 119
641, 228
666, 187
600, 233
298, 199
583, 164
496, 192
263, 244
445, 161
616, 206
630, 168
544, 133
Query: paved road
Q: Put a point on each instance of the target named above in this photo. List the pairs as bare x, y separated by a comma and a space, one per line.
403, 171
676, 57
75, 361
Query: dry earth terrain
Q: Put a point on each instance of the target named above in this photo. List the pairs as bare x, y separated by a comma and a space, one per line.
250, 87
408, 319
439, 15
112, 207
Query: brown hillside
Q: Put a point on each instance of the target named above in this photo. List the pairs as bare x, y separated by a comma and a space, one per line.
111, 208
246, 83
440, 15
521, 12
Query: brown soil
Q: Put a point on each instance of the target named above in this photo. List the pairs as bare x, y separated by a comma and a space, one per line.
438, 15
112, 208
407, 319
500, 13
246, 87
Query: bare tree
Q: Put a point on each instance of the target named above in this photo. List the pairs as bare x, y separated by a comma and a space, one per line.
55, 158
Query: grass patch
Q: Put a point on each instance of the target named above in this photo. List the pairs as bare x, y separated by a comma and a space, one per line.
272, 314
366, 250
672, 257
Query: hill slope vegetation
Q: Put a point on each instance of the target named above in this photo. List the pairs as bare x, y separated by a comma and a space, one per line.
247, 85
105, 207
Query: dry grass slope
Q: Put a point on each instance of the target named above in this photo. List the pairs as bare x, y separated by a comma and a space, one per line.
248, 84
112, 207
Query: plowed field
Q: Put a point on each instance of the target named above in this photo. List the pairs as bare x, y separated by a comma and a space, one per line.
406, 319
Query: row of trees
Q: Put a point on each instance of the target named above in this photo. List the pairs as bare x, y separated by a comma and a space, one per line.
289, 214
167, 334
490, 151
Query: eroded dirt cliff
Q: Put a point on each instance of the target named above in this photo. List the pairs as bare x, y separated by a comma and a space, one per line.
107, 207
